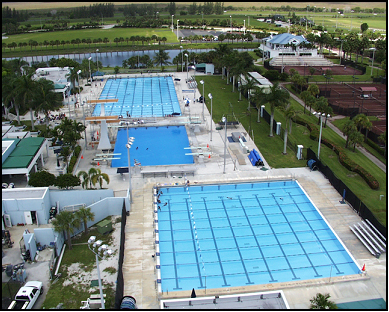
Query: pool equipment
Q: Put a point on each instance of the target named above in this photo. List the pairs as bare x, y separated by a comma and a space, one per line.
255, 158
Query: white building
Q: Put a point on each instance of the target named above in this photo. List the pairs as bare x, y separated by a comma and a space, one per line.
58, 75
285, 44
261, 82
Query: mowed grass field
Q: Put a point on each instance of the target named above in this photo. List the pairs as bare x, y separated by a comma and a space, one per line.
59, 5
111, 34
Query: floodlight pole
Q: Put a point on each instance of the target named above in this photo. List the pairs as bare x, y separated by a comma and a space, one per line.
210, 96
225, 142
177, 30
172, 23
99, 278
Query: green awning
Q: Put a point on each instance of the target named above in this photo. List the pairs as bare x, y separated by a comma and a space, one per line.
17, 162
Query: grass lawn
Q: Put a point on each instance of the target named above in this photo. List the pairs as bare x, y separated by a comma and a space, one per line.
72, 295
272, 147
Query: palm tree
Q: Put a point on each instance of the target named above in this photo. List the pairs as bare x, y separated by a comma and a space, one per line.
308, 99
363, 122
349, 127
277, 97
289, 113
45, 98
72, 75
321, 302
9, 95
84, 215
87, 177
161, 57
25, 89
66, 221
99, 177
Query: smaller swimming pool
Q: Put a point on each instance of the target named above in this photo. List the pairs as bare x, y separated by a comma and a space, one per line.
153, 146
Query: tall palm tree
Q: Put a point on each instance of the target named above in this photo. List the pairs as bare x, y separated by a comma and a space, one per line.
84, 215
321, 302
161, 57
289, 113
46, 99
348, 129
66, 221
72, 75
99, 177
25, 89
9, 95
363, 122
277, 97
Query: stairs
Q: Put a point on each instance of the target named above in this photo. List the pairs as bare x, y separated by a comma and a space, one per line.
373, 240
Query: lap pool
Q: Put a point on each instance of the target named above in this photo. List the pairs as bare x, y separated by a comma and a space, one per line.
230, 235
153, 146
140, 97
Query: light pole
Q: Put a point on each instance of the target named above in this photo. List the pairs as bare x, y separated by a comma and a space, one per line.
372, 62
337, 13
97, 58
306, 20
244, 27
224, 119
172, 23
177, 29
79, 90
314, 12
210, 96
231, 23
186, 66
90, 73
202, 82
106, 251
182, 60
320, 115
130, 141
323, 17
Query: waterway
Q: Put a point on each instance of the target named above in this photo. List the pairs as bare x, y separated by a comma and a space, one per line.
110, 59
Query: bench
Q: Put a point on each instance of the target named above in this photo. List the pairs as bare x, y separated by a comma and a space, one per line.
96, 296
229, 123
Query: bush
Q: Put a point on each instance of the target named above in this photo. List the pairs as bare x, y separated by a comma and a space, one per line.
376, 147
67, 181
74, 158
272, 75
41, 179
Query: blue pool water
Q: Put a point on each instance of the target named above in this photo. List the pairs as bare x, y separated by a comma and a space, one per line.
141, 97
153, 146
245, 234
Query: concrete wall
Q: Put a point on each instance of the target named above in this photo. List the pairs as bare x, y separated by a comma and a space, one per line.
16, 208
74, 197
110, 206
30, 243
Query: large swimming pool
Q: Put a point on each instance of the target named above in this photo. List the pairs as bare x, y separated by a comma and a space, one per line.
140, 97
153, 146
230, 235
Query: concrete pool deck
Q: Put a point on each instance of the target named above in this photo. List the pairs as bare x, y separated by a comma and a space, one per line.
139, 266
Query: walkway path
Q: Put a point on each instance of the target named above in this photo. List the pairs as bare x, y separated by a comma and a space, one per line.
375, 160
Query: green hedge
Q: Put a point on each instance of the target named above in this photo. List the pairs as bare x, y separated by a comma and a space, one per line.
343, 158
74, 158
376, 147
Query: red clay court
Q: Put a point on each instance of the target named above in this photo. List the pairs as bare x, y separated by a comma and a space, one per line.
350, 99
320, 70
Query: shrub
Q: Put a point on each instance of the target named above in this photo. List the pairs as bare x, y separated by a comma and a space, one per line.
67, 181
41, 179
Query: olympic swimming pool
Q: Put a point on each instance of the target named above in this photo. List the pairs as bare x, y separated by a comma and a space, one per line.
153, 146
230, 235
140, 97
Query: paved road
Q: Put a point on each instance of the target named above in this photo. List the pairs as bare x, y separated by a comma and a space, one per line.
375, 160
